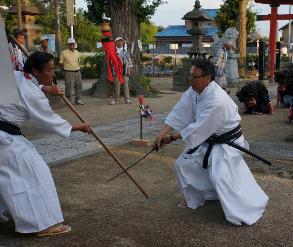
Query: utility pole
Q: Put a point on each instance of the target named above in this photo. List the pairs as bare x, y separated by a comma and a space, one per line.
242, 37
57, 27
19, 16
289, 35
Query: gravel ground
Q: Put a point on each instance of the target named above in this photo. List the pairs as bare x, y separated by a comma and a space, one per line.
117, 214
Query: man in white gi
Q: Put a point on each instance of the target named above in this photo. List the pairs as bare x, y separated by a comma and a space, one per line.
211, 172
27, 189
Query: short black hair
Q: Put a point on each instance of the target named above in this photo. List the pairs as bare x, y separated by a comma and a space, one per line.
205, 65
37, 61
19, 33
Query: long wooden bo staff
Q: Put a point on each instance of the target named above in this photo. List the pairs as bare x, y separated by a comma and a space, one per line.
67, 102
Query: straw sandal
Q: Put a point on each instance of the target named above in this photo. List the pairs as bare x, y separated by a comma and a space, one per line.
55, 230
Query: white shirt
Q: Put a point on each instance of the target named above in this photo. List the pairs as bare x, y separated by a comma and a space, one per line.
284, 50
34, 105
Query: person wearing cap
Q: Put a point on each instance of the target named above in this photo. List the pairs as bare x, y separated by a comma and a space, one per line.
220, 61
43, 46
124, 56
70, 63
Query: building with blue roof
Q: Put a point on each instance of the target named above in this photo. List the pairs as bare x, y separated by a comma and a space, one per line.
177, 34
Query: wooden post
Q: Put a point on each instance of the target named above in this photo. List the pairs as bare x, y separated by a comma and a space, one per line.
19, 16
261, 64
273, 37
242, 39
57, 28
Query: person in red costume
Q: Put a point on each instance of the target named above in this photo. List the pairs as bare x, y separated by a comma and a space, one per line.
124, 56
112, 59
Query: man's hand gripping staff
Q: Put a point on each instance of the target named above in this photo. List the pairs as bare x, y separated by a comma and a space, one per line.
84, 126
162, 141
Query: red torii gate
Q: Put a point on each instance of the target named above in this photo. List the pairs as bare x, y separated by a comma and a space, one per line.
273, 18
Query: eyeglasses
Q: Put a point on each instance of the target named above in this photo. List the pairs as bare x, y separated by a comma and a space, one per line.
191, 76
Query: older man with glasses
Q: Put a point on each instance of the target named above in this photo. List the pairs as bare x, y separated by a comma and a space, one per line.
209, 169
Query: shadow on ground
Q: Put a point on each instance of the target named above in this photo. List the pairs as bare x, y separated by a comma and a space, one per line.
117, 214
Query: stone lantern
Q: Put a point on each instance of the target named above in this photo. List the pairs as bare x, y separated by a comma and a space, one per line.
194, 26
29, 11
194, 21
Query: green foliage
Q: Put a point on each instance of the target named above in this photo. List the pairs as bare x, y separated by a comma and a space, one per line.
47, 21
87, 32
144, 9
95, 10
7, 3
10, 20
147, 32
251, 58
168, 59
145, 58
145, 82
160, 28
228, 15
91, 66
285, 60
255, 58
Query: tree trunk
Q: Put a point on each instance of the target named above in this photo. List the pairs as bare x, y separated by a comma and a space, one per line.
242, 37
102, 88
125, 24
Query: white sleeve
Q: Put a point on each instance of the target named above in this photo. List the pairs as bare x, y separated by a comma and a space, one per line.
38, 108
20, 59
182, 113
207, 123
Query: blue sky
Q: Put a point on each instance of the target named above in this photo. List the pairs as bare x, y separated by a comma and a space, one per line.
172, 12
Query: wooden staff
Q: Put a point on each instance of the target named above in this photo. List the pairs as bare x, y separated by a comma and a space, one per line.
68, 103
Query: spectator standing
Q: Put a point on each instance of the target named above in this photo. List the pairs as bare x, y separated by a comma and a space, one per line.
127, 65
70, 62
284, 51
220, 61
17, 56
43, 46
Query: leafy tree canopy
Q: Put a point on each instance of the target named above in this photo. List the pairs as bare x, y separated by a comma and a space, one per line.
144, 9
86, 32
228, 15
147, 32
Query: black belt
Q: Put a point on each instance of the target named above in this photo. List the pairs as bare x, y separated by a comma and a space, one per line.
229, 136
10, 128
72, 70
